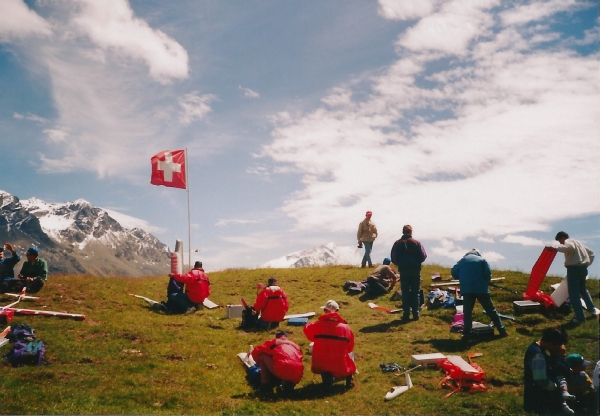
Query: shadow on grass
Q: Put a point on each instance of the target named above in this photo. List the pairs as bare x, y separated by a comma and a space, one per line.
455, 345
309, 392
385, 327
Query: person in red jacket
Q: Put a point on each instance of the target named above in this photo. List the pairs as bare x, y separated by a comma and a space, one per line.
197, 288
280, 362
333, 342
272, 304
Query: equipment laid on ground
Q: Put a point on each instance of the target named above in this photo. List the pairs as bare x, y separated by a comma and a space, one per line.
526, 306
207, 303
457, 282
501, 315
428, 360
297, 321
234, 311
460, 374
299, 315
503, 288
398, 390
538, 273
480, 330
7, 312
381, 308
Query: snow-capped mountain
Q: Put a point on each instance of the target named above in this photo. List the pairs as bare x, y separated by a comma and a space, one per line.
327, 255
77, 237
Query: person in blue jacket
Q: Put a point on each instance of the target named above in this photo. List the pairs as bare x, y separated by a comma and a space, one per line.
7, 265
474, 274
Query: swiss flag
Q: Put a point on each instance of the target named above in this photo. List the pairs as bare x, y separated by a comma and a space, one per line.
168, 169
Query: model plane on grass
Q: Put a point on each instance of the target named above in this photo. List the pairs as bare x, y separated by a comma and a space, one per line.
206, 302
7, 312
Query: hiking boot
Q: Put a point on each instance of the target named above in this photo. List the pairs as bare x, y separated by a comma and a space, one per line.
286, 388
405, 318
327, 381
349, 382
576, 321
191, 310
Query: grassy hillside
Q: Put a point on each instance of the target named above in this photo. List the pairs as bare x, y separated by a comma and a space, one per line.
125, 359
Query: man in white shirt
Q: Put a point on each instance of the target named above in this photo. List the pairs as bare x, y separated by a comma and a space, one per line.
577, 260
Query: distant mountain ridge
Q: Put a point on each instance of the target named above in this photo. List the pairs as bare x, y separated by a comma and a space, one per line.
77, 237
325, 255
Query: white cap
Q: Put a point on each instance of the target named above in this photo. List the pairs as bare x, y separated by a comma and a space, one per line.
331, 306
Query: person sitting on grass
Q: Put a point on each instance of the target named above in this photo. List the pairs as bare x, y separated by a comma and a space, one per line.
34, 272
7, 264
280, 362
197, 288
382, 280
333, 342
581, 385
272, 304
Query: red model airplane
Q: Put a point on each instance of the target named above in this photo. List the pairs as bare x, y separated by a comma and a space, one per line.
7, 312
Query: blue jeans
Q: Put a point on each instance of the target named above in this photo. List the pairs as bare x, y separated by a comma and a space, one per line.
179, 303
410, 284
486, 301
576, 284
367, 257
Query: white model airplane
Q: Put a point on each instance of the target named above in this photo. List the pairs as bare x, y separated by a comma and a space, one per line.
7, 312
398, 390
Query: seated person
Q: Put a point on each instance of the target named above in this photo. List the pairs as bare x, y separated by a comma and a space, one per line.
382, 279
280, 362
272, 304
33, 273
7, 264
333, 342
581, 386
197, 288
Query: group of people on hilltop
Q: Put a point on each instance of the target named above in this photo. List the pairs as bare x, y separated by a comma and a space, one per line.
32, 276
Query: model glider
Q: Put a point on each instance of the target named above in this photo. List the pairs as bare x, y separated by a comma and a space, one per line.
398, 390
457, 282
381, 308
299, 315
207, 303
7, 312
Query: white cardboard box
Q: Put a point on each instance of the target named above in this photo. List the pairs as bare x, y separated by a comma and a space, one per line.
428, 360
234, 311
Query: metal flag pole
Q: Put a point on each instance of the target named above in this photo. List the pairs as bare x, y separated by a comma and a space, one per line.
187, 186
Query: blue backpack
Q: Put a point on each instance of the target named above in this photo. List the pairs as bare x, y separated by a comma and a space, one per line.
27, 352
21, 332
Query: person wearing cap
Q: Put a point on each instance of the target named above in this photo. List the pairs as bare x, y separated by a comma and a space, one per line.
474, 274
197, 288
272, 304
408, 254
577, 260
7, 264
333, 342
541, 395
34, 271
382, 280
581, 385
366, 235
280, 362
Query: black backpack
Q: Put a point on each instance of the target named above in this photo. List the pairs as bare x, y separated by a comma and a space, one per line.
249, 319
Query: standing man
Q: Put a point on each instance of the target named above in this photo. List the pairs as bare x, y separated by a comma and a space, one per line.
408, 254
540, 393
34, 271
7, 264
272, 304
197, 288
280, 361
474, 274
577, 260
333, 342
367, 233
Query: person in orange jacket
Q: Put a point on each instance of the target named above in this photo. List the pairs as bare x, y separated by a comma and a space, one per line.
333, 342
272, 304
280, 362
197, 288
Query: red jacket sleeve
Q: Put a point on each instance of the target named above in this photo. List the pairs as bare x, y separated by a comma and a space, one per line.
261, 300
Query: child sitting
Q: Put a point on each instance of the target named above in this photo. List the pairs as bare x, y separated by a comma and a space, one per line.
581, 384
560, 373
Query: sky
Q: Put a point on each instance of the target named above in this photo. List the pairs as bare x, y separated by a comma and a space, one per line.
476, 122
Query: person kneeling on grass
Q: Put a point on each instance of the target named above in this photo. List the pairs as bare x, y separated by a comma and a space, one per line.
272, 304
280, 362
333, 342
197, 288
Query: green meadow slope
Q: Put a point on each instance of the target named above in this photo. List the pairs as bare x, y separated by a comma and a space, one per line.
125, 359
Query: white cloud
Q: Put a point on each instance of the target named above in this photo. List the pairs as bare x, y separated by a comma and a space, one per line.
18, 21
470, 147
195, 107
30, 117
406, 9
522, 240
538, 10
256, 241
56, 135
234, 221
248, 93
112, 26
485, 239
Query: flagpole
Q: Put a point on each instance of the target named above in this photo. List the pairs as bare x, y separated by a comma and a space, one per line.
187, 186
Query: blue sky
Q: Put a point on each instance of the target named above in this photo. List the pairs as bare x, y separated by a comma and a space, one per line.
474, 121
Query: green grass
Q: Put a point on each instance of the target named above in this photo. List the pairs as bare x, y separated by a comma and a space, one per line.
125, 359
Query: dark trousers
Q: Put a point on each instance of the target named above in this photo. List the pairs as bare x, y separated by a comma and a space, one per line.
576, 284
486, 301
367, 257
179, 303
16, 285
410, 284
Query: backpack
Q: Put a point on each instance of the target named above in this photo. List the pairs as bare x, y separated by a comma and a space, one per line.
249, 319
24, 352
20, 332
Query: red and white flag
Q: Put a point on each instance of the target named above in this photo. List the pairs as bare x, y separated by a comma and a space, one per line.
168, 169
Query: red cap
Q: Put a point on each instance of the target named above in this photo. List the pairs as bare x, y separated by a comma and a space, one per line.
369, 213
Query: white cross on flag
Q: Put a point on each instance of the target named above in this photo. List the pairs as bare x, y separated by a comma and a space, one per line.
168, 169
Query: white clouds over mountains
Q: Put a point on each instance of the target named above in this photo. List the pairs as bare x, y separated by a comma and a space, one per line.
474, 131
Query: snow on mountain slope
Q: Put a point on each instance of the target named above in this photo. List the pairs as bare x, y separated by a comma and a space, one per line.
326, 255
